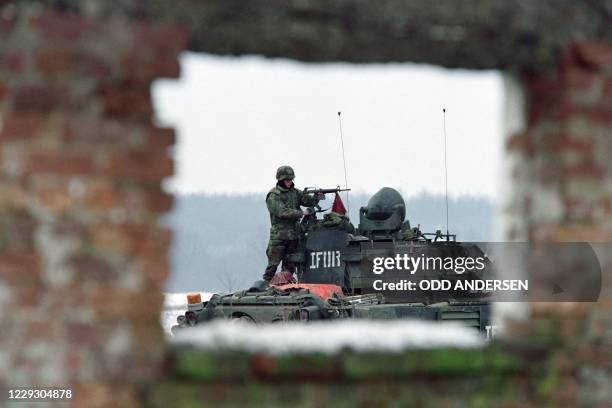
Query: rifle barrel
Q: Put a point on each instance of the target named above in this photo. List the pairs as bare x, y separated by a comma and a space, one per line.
325, 190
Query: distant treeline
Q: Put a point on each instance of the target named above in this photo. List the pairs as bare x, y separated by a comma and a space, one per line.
220, 240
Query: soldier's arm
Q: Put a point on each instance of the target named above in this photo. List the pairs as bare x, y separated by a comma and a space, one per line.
307, 200
280, 210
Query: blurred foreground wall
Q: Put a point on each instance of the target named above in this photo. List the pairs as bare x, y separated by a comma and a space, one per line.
83, 260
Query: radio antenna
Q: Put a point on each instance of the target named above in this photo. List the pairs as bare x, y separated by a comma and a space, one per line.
445, 171
348, 205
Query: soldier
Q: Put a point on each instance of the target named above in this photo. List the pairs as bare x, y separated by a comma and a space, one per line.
284, 202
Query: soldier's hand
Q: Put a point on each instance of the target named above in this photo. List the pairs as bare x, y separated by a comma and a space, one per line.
308, 211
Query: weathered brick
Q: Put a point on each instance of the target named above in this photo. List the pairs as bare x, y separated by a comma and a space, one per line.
144, 166
578, 78
13, 195
607, 207
127, 100
584, 145
139, 204
28, 297
111, 239
600, 115
549, 109
41, 98
65, 164
157, 239
6, 26
597, 114
577, 209
161, 137
520, 142
564, 363
12, 61
600, 320
65, 27
56, 199
22, 126
144, 65
148, 337
80, 333
95, 66
56, 60
101, 195
583, 170
131, 239
604, 104
20, 268
101, 134
66, 227
572, 233
158, 201
143, 200
17, 232
555, 309
168, 38
100, 395
88, 267
156, 270
34, 330
167, 66
74, 363
542, 86
4, 91
598, 355
111, 303
71, 302
607, 88
596, 54
67, 61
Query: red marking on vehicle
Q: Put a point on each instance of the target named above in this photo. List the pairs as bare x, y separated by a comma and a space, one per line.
322, 290
282, 278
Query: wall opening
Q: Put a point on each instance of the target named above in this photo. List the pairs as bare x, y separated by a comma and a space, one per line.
238, 119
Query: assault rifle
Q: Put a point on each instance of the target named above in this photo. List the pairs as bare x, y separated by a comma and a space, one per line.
321, 191
318, 194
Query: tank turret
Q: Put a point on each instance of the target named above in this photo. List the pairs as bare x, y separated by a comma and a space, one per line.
383, 215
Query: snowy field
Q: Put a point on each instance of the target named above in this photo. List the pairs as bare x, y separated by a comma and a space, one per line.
325, 336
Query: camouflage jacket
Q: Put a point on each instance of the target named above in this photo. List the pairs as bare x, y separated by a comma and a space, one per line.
284, 207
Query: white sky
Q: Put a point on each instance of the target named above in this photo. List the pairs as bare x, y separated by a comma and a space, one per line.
238, 119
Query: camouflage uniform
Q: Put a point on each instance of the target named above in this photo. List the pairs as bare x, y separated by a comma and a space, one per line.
285, 213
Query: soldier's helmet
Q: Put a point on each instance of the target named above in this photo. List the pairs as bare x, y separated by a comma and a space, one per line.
285, 173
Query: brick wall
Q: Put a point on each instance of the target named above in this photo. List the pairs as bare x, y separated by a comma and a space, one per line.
562, 183
82, 258
563, 178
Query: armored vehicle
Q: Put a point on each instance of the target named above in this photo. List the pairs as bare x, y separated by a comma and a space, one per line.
336, 279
